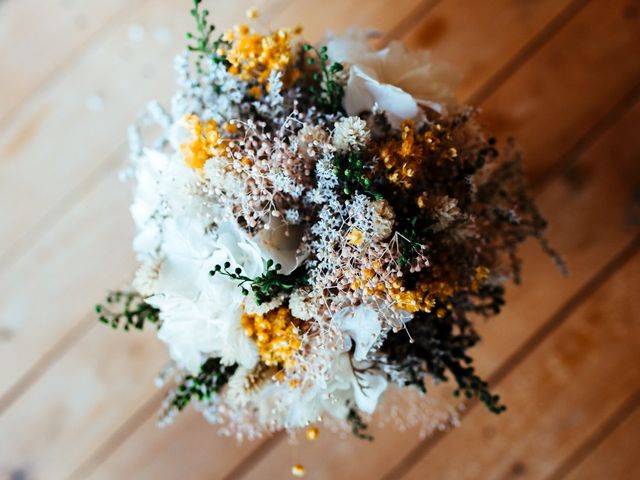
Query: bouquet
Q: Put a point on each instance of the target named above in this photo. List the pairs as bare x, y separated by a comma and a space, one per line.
317, 225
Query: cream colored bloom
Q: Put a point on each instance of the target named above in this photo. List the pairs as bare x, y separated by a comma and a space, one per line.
394, 79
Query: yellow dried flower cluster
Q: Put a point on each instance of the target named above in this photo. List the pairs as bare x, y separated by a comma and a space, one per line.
254, 56
206, 142
481, 275
402, 158
418, 300
275, 334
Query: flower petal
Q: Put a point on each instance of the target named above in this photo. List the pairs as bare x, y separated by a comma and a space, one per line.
362, 325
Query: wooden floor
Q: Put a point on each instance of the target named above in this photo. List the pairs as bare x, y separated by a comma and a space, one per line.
78, 401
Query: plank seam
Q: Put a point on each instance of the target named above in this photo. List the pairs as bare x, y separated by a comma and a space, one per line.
609, 426
257, 454
52, 355
527, 51
20, 246
410, 20
585, 141
117, 438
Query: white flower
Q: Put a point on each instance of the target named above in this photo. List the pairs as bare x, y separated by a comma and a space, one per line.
395, 80
149, 167
190, 253
202, 314
350, 133
239, 249
147, 201
179, 133
146, 277
210, 325
367, 386
302, 306
251, 305
298, 406
363, 327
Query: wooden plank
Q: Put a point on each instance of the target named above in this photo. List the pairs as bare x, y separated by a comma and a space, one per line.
616, 457
68, 269
559, 395
481, 38
28, 57
588, 68
78, 402
166, 453
588, 231
101, 224
336, 16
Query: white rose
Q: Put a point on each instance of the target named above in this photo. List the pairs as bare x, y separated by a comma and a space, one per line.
395, 80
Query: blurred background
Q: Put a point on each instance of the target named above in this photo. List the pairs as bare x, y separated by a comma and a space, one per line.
77, 400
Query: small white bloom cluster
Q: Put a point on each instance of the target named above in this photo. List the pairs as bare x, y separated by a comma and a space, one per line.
299, 229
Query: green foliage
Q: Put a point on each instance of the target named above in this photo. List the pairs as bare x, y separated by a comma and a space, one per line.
211, 378
326, 91
350, 168
440, 345
205, 44
266, 286
358, 426
128, 308
410, 247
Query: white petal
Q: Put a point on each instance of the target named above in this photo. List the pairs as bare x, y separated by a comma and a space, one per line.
367, 390
276, 245
362, 325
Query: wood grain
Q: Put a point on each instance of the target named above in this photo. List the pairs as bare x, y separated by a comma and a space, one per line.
62, 278
481, 38
587, 70
26, 30
73, 407
616, 457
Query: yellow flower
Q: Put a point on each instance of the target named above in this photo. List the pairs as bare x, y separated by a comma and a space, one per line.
275, 334
403, 158
206, 142
253, 56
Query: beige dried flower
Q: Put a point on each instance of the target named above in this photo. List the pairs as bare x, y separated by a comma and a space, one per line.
383, 220
350, 133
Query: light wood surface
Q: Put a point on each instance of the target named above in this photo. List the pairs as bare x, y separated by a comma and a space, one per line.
77, 400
